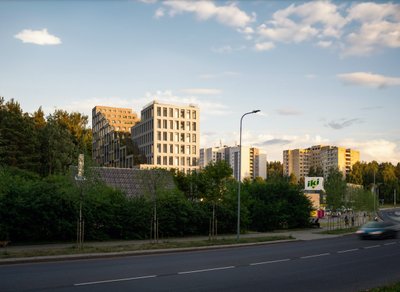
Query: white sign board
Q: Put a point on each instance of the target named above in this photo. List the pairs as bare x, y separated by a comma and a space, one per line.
314, 183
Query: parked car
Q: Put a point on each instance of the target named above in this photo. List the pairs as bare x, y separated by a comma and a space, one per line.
377, 230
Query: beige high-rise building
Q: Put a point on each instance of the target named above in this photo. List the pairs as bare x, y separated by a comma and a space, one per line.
299, 161
169, 136
253, 162
111, 129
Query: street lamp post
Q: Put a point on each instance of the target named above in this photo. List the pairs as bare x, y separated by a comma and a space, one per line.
240, 171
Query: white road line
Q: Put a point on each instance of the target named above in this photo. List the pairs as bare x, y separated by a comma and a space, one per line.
115, 280
390, 243
269, 262
372, 246
315, 255
348, 250
206, 270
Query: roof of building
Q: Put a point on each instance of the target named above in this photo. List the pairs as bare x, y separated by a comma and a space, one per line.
133, 182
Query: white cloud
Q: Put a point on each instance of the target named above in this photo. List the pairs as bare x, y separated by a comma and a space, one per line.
324, 44
265, 46
380, 150
207, 107
38, 37
218, 75
229, 15
289, 112
227, 49
304, 22
379, 28
310, 76
159, 13
369, 79
201, 91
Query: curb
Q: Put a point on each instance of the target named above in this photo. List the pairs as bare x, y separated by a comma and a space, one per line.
56, 258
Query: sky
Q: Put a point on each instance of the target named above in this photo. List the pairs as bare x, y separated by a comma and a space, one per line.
319, 72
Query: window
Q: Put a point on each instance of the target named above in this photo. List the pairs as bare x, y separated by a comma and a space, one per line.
159, 148
188, 114
194, 150
158, 112
194, 114
165, 124
182, 137
159, 135
171, 125
165, 147
165, 111
182, 113
182, 125
159, 123
171, 112
188, 126
194, 138
165, 136
194, 126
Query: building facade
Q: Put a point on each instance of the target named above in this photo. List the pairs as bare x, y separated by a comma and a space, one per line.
168, 136
253, 161
299, 161
111, 130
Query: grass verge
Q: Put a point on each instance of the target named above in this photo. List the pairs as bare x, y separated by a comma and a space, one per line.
7, 253
389, 288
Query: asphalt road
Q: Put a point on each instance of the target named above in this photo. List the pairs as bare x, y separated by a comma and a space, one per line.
339, 264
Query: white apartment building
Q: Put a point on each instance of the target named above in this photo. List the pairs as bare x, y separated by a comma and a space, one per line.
299, 161
253, 162
169, 136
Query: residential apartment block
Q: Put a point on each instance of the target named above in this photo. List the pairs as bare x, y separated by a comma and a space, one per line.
168, 136
253, 162
111, 129
299, 161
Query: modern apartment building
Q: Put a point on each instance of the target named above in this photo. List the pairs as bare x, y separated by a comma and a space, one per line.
169, 136
299, 161
253, 162
111, 129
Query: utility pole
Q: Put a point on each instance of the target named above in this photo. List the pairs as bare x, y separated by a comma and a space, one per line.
394, 199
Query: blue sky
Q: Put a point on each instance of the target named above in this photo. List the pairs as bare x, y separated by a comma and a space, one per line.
320, 72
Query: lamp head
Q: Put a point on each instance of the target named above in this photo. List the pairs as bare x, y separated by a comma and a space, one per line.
255, 111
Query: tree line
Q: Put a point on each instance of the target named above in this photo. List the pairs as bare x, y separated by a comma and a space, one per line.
39, 199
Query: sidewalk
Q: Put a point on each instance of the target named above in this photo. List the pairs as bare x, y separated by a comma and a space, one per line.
306, 234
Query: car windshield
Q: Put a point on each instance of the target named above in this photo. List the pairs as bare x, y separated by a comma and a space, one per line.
374, 224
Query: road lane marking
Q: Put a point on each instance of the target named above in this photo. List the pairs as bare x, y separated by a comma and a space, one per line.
115, 280
316, 255
372, 246
347, 250
206, 270
390, 243
269, 262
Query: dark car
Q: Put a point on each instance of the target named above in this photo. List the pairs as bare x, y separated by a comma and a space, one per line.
377, 229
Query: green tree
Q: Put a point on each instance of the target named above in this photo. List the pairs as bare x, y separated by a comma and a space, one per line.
356, 174
316, 171
335, 188
274, 169
213, 185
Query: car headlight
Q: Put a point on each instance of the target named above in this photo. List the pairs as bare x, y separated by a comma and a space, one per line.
360, 231
376, 232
